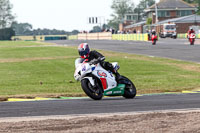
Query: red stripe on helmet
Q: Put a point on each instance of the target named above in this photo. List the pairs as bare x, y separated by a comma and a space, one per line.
81, 45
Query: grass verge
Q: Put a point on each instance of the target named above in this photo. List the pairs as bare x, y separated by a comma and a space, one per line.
29, 69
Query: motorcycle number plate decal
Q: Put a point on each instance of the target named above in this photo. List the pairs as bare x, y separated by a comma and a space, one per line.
104, 83
101, 74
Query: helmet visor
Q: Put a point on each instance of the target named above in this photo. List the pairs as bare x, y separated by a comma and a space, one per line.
82, 53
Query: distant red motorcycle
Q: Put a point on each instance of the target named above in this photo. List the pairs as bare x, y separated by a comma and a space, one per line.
154, 39
191, 38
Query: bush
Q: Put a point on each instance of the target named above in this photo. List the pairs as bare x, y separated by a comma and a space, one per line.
6, 34
149, 21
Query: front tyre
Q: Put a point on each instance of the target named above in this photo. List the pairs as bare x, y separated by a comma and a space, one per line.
130, 89
95, 93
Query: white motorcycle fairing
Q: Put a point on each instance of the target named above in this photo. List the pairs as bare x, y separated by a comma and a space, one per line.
96, 81
107, 78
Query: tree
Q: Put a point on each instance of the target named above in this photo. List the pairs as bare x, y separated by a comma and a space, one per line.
21, 28
120, 7
146, 3
149, 21
6, 16
143, 5
190, 1
114, 23
96, 29
198, 11
196, 2
75, 32
6, 33
105, 26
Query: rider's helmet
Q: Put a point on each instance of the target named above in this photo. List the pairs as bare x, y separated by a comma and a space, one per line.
83, 50
153, 31
191, 28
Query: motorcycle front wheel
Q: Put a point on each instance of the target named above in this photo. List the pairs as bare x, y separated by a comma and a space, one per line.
130, 89
95, 93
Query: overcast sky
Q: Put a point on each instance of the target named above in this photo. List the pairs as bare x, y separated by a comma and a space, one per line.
62, 14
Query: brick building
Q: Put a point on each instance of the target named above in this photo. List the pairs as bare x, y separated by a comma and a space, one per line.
138, 27
129, 19
176, 11
168, 9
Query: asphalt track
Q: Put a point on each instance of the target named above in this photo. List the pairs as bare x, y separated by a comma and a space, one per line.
106, 105
176, 49
169, 48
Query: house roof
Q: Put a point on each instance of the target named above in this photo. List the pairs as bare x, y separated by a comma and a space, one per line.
171, 4
186, 19
135, 25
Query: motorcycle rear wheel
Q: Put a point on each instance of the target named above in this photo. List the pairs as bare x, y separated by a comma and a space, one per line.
94, 93
130, 89
192, 42
154, 42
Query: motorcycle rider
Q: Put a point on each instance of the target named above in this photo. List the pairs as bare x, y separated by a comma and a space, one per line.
190, 31
87, 55
153, 32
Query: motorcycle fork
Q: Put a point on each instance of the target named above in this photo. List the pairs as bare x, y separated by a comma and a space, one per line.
96, 84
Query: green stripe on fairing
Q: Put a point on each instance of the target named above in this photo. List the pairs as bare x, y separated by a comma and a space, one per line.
117, 91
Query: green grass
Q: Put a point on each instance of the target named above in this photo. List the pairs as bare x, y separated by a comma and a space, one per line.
17, 44
39, 70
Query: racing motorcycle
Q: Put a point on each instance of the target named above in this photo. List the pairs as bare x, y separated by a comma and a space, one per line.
97, 82
154, 39
191, 38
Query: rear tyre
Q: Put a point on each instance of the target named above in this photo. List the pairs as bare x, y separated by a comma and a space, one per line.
154, 42
192, 42
95, 93
130, 89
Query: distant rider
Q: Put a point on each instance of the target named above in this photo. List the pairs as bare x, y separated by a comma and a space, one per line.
87, 55
153, 32
190, 31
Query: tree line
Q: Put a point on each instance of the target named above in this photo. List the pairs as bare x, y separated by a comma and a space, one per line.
27, 29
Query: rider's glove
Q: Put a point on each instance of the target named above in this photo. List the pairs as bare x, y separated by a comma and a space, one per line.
100, 59
94, 61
